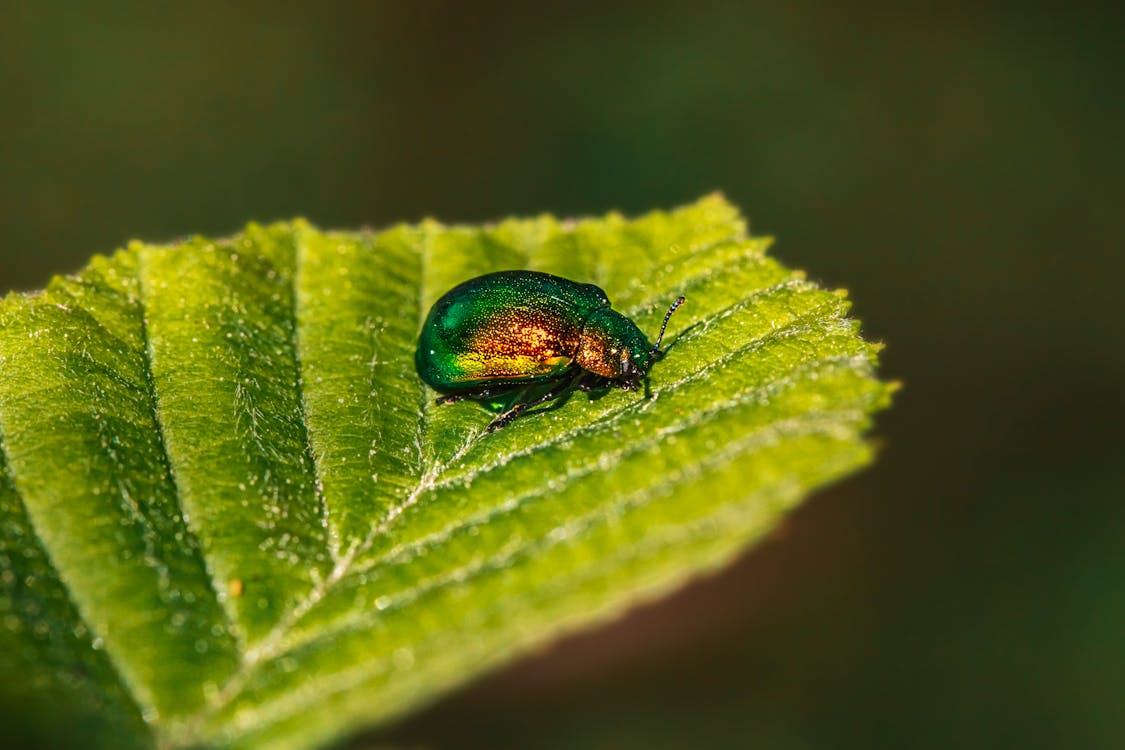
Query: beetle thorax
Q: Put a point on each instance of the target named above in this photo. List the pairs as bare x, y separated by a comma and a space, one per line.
612, 346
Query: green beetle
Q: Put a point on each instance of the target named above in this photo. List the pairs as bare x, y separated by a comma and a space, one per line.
513, 330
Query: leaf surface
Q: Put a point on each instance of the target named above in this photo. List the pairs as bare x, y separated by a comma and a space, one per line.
232, 515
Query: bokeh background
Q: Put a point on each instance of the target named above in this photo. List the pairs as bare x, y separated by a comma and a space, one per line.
959, 167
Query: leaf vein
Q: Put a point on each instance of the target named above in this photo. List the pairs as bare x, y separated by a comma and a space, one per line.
166, 461
311, 459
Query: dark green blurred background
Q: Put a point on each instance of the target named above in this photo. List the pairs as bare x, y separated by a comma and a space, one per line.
959, 168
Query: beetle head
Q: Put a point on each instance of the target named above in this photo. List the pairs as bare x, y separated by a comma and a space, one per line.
612, 346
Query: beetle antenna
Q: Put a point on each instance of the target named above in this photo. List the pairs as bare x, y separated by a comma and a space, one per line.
679, 301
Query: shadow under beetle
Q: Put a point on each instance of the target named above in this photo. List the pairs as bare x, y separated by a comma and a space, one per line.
513, 330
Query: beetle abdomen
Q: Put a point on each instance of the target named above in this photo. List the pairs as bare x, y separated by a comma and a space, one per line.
503, 328
513, 343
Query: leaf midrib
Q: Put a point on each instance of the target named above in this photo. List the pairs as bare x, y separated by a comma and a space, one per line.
230, 617
332, 532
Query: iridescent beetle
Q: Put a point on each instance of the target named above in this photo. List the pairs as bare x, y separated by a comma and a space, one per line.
513, 330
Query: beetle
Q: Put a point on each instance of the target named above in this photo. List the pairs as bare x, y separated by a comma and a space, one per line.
515, 330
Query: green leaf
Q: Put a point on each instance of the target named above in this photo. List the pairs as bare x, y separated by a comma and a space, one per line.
232, 515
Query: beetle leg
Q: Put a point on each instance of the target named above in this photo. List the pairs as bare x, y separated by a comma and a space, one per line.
592, 382
506, 418
480, 393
